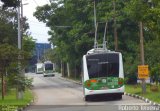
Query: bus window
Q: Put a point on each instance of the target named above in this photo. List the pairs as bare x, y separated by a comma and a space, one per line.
104, 65
48, 66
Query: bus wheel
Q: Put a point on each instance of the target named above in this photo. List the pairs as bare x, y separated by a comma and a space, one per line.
86, 98
119, 97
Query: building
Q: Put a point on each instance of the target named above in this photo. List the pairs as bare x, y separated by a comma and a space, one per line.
38, 56
41, 48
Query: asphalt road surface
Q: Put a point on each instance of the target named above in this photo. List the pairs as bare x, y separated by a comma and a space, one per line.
58, 94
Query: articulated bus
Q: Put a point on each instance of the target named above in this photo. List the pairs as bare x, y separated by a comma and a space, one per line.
48, 69
102, 74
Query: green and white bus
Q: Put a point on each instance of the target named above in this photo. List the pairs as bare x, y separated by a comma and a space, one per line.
102, 73
102, 69
48, 69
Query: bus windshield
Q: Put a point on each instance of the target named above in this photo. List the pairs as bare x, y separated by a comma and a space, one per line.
48, 66
103, 65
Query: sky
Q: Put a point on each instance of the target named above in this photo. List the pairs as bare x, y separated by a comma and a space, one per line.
38, 30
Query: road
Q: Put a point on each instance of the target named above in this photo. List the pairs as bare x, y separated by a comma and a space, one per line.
57, 94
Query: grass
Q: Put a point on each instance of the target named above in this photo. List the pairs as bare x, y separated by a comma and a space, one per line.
136, 89
11, 101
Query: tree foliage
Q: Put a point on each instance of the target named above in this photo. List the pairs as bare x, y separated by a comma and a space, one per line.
8, 23
10, 3
9, 52
72, 28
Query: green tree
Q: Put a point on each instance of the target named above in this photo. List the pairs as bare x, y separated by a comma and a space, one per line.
8, 35
8, 27
155, 73
28, 45
8, 54
10, 3
72, 27
152, 49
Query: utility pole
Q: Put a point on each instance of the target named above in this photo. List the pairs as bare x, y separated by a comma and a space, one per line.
19, 90
142, 54
95, 24
19, 29
141, 42
21, 4
115, 27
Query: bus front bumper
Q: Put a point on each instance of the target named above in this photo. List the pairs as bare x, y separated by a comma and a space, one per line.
106, 91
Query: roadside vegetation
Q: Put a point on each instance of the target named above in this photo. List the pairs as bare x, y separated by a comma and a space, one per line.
13, 61
152, 93
72, 31
11, 103
10, 98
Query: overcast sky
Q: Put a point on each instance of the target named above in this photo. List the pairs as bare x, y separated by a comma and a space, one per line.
38, 29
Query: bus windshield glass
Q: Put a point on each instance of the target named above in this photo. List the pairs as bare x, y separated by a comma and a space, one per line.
103, 65
48, 66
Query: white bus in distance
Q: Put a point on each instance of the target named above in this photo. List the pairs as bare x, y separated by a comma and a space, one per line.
48, 69
39, 68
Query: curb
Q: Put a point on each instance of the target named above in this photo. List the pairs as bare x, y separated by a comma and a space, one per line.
67, 79
23, 108
146, 100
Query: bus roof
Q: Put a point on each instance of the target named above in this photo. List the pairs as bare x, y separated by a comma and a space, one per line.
47, 62
99, 51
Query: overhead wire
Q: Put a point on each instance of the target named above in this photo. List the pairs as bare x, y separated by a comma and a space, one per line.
34, 23
37, 23
33, 33
35, 2
48, 2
